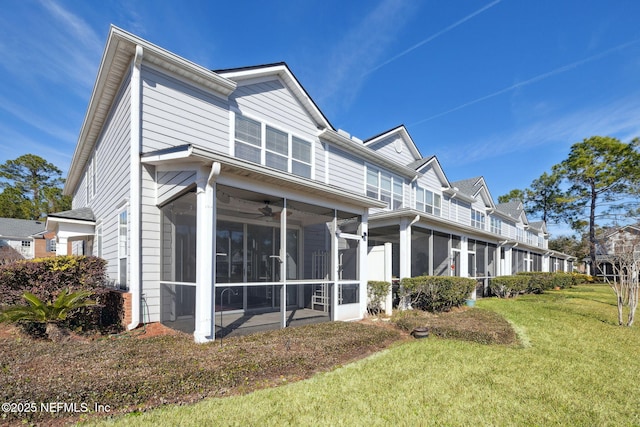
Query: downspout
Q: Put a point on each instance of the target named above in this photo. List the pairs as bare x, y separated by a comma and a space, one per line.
206, 250
134, 191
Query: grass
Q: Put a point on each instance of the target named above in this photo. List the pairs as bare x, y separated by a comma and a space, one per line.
574, 366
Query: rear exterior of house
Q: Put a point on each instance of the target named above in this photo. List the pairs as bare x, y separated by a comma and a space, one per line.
226, 200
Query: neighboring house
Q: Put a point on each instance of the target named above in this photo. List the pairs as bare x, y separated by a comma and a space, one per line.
617, 246
227, 199
24, 239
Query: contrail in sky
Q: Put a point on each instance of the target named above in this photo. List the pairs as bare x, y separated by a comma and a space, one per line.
436, 35
531, 80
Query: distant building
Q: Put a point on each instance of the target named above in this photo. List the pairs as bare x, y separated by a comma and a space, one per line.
618, 244
25, 239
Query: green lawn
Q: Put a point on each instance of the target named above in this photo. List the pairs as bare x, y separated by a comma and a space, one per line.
574, 366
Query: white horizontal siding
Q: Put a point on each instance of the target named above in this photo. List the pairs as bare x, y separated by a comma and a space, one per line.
150, 245
175, 113
274, 104
346, 171
387, 148
172, 183
112, 175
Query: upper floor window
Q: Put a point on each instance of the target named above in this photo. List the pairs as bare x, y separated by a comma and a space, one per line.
477, 219
531, 238
519, 234
263, 144
496, 225
123, 240
429, 202
383, 186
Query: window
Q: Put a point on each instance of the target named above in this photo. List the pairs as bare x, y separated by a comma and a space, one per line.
273, 147
383, 186
122, 248
94, 173
519, 234
51, 245
91, 179
26, 243
429, 202
477, 219
300, 157
97, 249
248, 139
531, 238
496, 225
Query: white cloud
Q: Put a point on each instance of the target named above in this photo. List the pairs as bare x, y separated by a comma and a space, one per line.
435, 35
360, 49
618, 119
52, 45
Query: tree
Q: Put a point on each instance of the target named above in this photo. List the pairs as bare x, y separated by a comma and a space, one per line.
599, 169
547, 200
49, 313
32, 188
623, 257
513, 195
572, 245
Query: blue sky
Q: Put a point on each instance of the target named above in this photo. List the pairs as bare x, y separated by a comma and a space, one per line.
497, 88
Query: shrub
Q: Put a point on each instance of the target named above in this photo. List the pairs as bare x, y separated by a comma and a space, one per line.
46, 278
562, 280
377, 292
49, 313
437, 293
509, 286
538, 281
579, 278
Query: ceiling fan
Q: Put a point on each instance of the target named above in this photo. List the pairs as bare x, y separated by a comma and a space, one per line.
267, 211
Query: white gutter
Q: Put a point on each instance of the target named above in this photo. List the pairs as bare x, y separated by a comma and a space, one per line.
135, 280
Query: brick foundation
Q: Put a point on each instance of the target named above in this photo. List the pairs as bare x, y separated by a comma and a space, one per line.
126, 320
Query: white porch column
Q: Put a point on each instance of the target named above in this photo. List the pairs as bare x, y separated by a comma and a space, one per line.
405, 248
363, 262
464, 256
205, 253
61, 246
388, 276
335, 266
283, 265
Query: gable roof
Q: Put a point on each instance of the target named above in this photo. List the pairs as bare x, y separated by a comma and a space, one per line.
402, 132
246, 75
475, 187
434, 163
539, 225
116, 61
12, 227
513, 209
80, 214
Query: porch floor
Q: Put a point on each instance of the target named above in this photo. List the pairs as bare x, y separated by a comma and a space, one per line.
229, 324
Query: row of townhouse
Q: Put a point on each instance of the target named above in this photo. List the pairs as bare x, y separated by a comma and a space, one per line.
226, 200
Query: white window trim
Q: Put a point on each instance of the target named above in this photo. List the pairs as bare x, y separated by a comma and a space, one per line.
121, 256
424, 201
392, 177
263, 142
98, 240
480, 223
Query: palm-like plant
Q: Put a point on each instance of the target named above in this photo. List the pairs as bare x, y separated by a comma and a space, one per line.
49, 313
